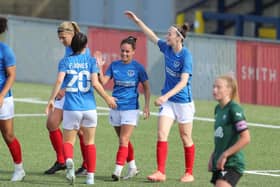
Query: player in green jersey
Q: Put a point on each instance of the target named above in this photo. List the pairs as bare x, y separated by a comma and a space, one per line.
231, 134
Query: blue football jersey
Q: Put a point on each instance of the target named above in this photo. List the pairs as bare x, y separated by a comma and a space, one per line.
126, 79
69, 52
7, 59
175, 65
78, 86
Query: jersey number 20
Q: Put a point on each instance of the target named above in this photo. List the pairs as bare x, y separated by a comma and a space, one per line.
83, 79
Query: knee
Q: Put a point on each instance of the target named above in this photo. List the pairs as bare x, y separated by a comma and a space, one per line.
124, 140
162, 136
186, 139
80, 133
9, 137
52, 124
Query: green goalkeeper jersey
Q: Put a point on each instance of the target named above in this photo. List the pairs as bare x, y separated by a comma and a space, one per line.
229, 122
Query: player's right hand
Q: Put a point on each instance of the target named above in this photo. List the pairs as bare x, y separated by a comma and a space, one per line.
111, 101
49, 107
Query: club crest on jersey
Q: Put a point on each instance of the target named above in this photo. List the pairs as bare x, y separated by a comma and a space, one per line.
224, 117
130, 73
176, 64
219, 132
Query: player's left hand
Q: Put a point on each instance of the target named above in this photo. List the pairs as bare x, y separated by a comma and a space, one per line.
99, 58
221, 162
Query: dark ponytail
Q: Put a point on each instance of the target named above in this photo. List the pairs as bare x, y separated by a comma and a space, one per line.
79, 42
185, 28
130, 40
3, 24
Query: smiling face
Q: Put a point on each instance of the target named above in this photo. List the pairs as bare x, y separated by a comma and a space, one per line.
127, 52
65, 38
221, 90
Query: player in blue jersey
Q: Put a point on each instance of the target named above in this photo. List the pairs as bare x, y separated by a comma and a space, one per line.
79, 73
176, 101
7, 78
126, 74
231, 135
65, 31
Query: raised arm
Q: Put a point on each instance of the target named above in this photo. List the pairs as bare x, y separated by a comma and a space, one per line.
147, 31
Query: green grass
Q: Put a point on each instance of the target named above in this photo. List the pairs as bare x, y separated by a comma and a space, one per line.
261, 154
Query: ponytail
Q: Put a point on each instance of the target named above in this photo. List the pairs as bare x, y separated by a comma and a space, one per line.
182, 30
232, 83
76, 27
70, 27
3, 24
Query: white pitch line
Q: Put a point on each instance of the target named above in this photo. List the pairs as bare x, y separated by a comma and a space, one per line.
263, 172
269, 171
36, 101
30, 100
254, 172
29, 115
40, 115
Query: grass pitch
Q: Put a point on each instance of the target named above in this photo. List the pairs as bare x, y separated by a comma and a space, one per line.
38, 155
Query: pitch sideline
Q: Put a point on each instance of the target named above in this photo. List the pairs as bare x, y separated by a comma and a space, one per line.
36, 101
253, 172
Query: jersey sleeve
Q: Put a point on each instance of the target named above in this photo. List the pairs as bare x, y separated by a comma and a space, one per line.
68, 51
109, 71
88, 51
62, 65
9, 57
143, 76
238, 118
187, 68
162, 45
215, 110
94, 68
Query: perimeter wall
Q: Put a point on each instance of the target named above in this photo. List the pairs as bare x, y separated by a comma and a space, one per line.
256, 64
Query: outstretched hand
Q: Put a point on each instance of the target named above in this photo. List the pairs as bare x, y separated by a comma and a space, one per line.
99, 58
131, 15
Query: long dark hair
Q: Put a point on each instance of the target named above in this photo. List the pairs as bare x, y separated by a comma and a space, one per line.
3, 24
79, 42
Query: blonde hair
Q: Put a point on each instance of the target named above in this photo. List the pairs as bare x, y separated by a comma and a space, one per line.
231, 83
68, 26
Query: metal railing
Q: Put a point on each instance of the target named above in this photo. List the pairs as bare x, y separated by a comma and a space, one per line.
239, 21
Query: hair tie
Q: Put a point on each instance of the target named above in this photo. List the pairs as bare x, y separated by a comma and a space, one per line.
178, 32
